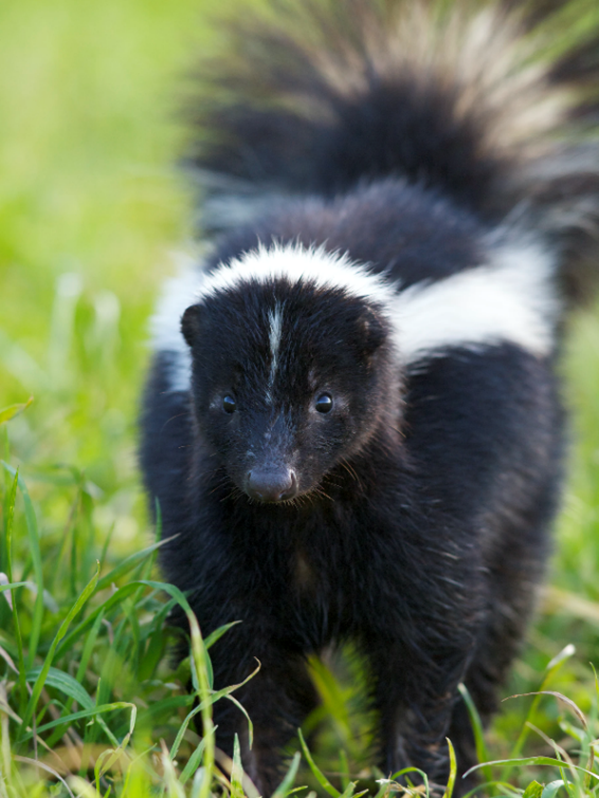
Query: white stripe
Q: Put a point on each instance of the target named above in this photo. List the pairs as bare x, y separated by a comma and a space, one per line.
165, 324
511, 298
293, 263
275, 318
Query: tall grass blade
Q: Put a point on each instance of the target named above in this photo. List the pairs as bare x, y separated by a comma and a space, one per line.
128, 564
199, 657
36, 557
39, 684
193, 762
5, 752
285, 786
88, 647
12, 498
243, 710
212, 698
236, 771
318, 774
478, 731
200, 667
453, 770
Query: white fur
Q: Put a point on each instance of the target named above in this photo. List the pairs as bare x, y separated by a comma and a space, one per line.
294, 263
275, 318
165, 324
511, 298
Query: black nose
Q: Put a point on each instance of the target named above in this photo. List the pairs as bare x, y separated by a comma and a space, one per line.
271, 484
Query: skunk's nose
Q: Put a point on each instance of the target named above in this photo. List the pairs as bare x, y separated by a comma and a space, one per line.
271, 484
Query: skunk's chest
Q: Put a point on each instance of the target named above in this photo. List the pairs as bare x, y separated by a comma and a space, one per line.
313, 573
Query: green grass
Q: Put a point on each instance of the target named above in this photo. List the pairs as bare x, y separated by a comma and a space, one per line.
90, 208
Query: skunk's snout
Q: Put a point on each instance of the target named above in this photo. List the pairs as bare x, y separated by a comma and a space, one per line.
271, 484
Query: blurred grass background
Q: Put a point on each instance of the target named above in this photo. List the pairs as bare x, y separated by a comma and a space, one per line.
90, 207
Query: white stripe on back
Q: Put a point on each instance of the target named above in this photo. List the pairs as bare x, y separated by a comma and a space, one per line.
511, 299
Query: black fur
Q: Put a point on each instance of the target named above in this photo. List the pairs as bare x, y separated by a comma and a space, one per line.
419, 523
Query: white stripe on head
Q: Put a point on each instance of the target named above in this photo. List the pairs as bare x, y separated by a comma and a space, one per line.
294, 263
511, 299
275, 318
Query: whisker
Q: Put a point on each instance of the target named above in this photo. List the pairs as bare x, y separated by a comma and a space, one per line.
350, 470
321, 492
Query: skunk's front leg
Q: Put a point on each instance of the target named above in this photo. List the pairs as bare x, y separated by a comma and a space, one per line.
277, 699
415, 692
423, 629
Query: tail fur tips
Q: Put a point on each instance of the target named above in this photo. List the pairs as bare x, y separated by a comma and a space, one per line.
492, 103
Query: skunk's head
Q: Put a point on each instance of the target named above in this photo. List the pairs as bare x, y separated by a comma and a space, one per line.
290, 374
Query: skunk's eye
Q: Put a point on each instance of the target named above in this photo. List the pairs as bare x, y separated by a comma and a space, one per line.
228, 404
324, 403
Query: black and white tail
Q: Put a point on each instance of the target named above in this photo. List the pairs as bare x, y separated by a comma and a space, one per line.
492, 104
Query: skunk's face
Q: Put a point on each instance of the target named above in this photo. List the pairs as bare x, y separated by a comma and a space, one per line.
288, 380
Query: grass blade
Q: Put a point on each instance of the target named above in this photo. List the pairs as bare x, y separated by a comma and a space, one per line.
199, 657
543, 761
12, 498
453, 769
318, 774
478, 731
284, 787
128, 564
218, 633
116, 598
84, 713
552, 668
65, 683
39, 684
13, 410
236, 771
193, 762
549, 790
36, 557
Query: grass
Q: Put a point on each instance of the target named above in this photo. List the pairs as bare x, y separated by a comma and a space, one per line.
90, 208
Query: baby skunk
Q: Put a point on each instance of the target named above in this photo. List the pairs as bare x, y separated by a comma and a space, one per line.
352, 424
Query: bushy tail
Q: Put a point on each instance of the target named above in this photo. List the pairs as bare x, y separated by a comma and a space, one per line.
494, 103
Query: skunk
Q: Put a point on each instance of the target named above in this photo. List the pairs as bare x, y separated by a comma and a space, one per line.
352, 424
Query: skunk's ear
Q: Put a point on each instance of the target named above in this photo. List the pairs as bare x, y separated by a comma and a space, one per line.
563, 206
190, 324
373, 331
